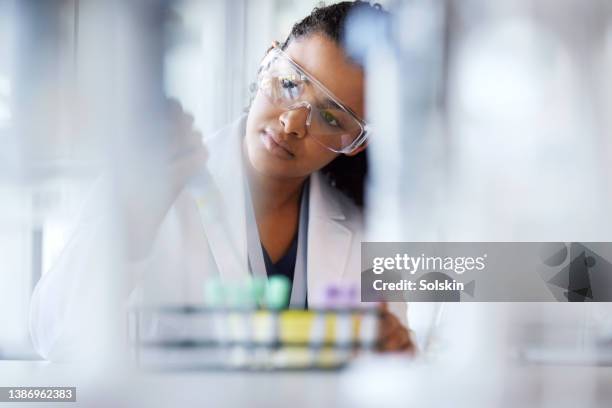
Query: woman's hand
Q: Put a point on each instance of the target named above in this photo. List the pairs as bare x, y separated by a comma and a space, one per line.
185, 141
393, 336
150, 187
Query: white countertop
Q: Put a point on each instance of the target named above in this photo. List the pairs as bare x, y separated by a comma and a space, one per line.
379, 382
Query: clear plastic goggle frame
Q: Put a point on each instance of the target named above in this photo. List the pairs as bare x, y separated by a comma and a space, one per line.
332, 124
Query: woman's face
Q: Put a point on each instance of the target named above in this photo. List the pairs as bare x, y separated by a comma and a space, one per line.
277, 140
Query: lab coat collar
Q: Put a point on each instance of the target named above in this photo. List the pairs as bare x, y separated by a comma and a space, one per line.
225, 167
328, 238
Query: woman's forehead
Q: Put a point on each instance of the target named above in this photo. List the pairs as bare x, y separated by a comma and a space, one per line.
323, 59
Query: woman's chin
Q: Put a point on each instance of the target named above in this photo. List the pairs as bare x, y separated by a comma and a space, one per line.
261, 163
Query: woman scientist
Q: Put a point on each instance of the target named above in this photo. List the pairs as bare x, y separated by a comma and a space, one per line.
290, 177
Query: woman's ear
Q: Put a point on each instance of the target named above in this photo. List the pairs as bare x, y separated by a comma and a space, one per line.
357, 150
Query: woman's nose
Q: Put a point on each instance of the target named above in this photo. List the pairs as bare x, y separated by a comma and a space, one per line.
294, 121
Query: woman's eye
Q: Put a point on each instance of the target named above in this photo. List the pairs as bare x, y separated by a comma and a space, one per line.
329, 119
287, 83
290, 87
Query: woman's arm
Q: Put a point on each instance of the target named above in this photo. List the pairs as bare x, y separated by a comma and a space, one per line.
64, 301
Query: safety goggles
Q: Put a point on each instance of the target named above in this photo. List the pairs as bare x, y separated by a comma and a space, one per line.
288, 86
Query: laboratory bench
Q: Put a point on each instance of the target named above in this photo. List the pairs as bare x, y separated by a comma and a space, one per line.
389, 381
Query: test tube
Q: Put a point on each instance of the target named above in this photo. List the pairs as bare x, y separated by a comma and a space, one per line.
256, 324
276, 299
241, 305
368, 327
368, 318
337, 299
214, 298
317, 337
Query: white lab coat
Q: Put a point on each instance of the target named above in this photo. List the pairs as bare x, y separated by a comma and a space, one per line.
186, 252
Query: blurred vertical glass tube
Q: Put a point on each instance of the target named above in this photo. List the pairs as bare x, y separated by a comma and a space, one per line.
11, 219
30, 133
121, 90
409, 162
38, 81
403, 62
97, 71
385, 227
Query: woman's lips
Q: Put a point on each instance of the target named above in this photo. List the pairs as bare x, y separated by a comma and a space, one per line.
274, 146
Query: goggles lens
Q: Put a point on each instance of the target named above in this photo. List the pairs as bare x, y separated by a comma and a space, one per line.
289, 87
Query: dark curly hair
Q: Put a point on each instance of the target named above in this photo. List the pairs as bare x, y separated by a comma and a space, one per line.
347, 174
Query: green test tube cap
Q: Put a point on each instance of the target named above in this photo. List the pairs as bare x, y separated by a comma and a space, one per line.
277, 292
253, 290
214, 293
258, 289
237, 295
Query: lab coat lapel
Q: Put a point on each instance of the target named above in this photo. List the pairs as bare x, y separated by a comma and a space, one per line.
225, 167
328, 239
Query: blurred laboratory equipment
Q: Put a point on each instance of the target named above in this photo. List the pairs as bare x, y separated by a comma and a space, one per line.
492, 124
90, 118
36, 91
247, 326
